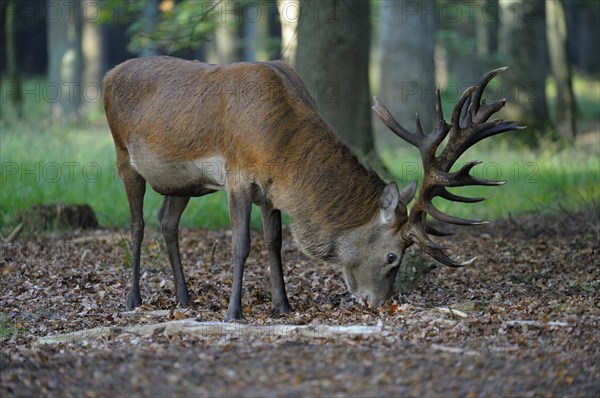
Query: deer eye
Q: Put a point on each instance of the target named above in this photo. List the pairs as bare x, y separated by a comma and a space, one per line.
391, 258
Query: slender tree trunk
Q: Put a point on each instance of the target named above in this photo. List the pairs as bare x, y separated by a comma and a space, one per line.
256, 32
64, 60
523, 44
465, 61
333, 60
289, 13
91, 43
560, 63
224, 48
11, 57
487, 25
407, 77
149, 21
583, 21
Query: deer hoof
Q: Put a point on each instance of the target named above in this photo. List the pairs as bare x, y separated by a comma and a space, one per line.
281, 308
234, 314
134, 299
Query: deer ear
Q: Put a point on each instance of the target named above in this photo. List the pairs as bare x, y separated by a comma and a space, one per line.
388, 202
408, 193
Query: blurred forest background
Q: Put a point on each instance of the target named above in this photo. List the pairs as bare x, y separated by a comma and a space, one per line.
56, 147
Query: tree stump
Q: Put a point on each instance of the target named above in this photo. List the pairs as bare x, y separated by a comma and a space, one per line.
58, 217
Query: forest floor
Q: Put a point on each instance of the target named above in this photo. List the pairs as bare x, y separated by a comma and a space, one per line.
525, 320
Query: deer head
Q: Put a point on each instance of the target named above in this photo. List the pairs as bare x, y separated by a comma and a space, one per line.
396, 229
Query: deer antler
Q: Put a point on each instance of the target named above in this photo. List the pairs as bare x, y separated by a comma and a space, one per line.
468, 126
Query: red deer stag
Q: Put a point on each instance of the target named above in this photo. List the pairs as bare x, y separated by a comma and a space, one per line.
252, 129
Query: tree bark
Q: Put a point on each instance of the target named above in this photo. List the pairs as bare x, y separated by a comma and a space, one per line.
407, 77
523, 46
560, 63
333, 60
64, 60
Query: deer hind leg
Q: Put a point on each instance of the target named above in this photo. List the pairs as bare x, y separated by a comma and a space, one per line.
271, 219
135, 188
240, 206
168, 217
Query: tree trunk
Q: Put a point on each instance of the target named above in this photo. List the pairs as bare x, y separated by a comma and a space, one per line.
487, 26
256, 32
407, 77
465, 61
556, 30
523, 45
64, 60
91, 43
583, 21
333, 60
11, 57
149, 21
224, 48
289, 13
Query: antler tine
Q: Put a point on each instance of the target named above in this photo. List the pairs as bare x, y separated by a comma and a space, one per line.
436, 251
462, 177
461, 107
448, 219
483, 84
485, 111
441, 128
444, 259
444, 193
419, 234
499, 128
433, 231
386, 117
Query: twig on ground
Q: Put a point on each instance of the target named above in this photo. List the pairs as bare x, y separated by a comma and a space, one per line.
452, 311
15, 233
536, 323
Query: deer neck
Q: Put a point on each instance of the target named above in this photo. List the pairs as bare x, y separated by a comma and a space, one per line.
326, 244
332, 199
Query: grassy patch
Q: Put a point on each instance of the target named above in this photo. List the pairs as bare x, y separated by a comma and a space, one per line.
10, 329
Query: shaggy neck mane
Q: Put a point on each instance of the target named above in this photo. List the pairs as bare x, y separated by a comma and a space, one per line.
332, 189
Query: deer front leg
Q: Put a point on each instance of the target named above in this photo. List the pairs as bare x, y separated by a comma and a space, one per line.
240, 206
168, 216
272, 230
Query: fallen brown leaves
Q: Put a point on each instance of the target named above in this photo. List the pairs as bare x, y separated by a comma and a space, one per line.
523, 320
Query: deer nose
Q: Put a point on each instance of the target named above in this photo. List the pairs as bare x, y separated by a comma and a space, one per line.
369, 299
